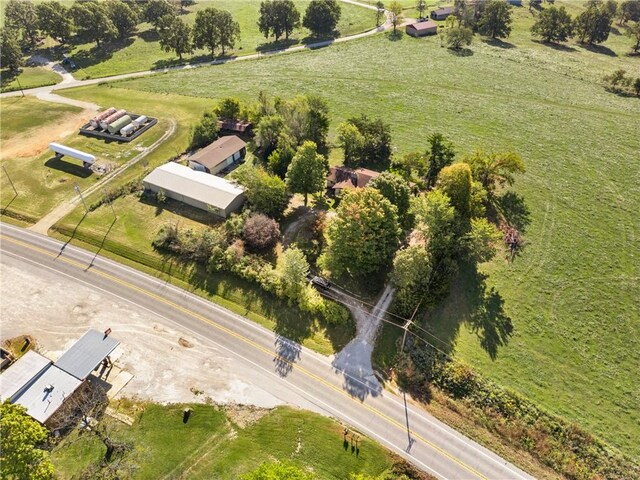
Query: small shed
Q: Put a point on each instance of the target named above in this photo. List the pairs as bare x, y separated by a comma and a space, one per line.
421, 29
441, 13
236, 126
221, 154
198, 189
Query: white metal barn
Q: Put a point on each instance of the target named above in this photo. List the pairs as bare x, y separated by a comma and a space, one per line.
198, 189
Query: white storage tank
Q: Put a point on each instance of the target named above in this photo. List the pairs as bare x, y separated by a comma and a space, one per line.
128, 129
141, 120
63, 150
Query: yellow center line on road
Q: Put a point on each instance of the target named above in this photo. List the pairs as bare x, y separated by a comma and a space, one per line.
244, 339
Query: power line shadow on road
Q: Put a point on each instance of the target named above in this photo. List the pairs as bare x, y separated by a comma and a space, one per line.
101, 245
73, 234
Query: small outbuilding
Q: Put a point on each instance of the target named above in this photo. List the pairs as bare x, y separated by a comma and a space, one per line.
198, 189
441, 13
221, 154
421, 29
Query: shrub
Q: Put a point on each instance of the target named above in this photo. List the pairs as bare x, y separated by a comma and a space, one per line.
261, 233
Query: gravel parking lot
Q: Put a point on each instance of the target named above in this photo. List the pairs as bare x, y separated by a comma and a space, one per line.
168, 363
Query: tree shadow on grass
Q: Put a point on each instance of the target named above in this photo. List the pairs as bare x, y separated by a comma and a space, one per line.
561, 47
95, 55
149, 35
496, 42
514, 210
473, 303
68, 167
395, 36
461, 52
600, 49
8, 76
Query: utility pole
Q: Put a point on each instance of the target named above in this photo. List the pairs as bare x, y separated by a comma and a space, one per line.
11, 182
79, 192
19, 85
115, 217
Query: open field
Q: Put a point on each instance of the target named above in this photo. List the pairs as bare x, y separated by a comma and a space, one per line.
571, 295
217, 444
29, 77
42, 181
142, 51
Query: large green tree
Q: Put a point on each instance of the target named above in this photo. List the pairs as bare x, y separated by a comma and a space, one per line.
22, 16
277, 18
455, 182
553, 25
10, 51
293, 269
410, 276
395, 14
395, 189
177, 38
352, 142
215, 29
93, 22
266, 193
267, 133
157, 10
440, 154
307, 172
593, 25
482, 240
55, 20
20, 439
458, 37
277, 471
206, 131
124, 18
371, 148
494, 169
316, 122
629, 10
496, 20
363, 236
321, 17
435, 219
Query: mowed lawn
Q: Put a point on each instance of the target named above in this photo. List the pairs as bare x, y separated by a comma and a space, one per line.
143, 52
214, 445
42, 181
29, 77
572, 294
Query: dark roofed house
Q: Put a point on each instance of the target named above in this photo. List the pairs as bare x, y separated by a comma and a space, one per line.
341, 178
221, 154
236, 126
420, 29
441, 13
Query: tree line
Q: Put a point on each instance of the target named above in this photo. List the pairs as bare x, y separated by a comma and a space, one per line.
102, 22
493, 19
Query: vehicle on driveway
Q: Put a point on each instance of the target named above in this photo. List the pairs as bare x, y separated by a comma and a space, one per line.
320, 282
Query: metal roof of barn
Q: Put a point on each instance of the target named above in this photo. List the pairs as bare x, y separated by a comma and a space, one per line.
200, 186
47, 392
87, 353
23, 372
214, 154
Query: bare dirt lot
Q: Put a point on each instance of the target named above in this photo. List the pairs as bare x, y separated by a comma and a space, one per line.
169, 364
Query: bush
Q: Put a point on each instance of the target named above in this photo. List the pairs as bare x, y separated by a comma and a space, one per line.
205, 132
334, 313
458, 37
261, 233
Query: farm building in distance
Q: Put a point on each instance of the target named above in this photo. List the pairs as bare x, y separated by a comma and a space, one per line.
42, 386
235, 126
421, 29
341, 178
441, 13
221, 154
198, 189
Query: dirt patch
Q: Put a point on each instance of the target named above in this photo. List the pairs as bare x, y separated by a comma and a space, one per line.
244, 415
185, 343
33, 142
18, 346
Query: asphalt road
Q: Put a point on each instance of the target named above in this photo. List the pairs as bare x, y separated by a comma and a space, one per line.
383, 416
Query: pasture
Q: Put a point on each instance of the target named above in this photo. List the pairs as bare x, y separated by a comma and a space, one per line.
571, 295
217, 444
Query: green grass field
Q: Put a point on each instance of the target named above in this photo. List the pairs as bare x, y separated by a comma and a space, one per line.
42, 182
572, 295
18, 115
143, 52
29, 77
214, 445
